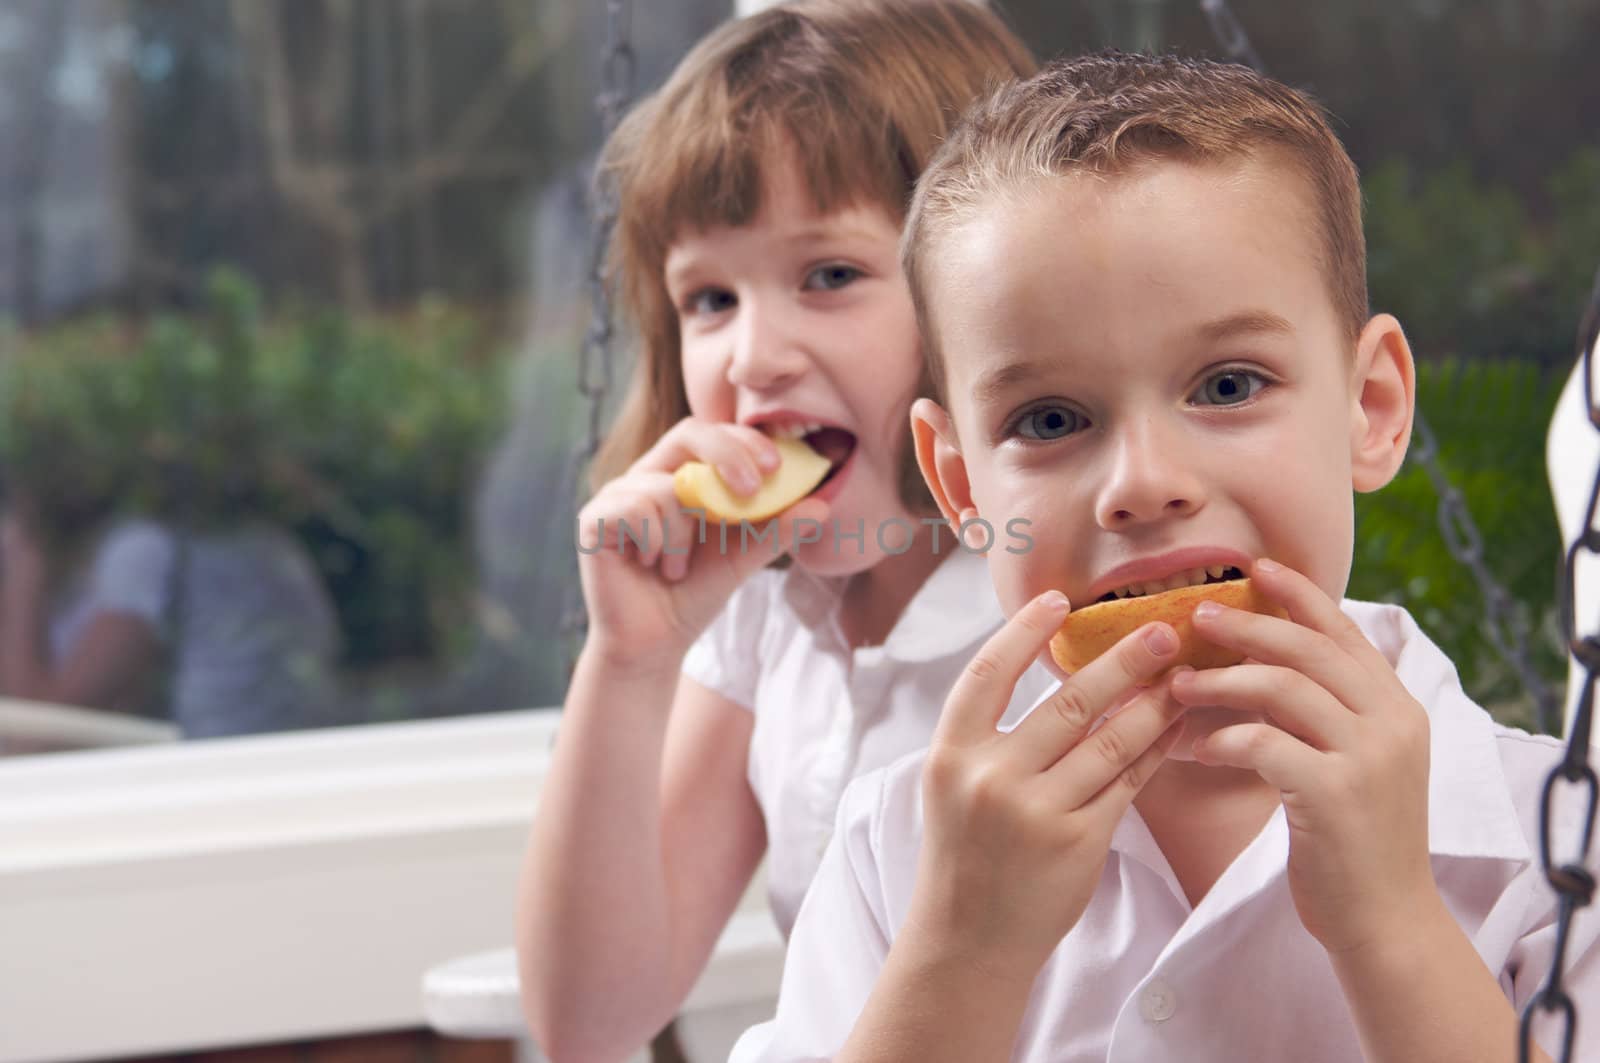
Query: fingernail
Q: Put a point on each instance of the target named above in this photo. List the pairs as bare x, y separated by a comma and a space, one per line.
1055, 601
1207, 610
770, 458
1161, 639
742, 479
1182, 675
1265, 565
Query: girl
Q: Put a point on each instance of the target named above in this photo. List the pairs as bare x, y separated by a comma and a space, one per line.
718, 710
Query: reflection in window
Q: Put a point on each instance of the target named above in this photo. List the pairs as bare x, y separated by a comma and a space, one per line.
291, 294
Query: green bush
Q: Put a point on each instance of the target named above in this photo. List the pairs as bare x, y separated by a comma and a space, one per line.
362, 435
1491, 420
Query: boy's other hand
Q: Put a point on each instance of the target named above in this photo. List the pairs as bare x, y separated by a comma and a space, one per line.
1018, 825
1347, 747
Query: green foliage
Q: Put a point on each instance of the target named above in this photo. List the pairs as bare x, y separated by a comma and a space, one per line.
1491, 419
363, 435
1471, 271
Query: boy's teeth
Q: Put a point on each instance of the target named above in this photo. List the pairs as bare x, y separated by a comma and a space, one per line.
1189, 578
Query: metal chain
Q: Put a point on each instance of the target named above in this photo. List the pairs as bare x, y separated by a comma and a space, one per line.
1573, 882
1507, 630
618, 66
1504, 625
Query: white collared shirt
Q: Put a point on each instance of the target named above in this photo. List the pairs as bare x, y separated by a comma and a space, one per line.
1145, 977
825, 713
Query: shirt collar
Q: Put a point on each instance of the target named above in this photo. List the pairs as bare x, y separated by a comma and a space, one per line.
1470, 812
954, 608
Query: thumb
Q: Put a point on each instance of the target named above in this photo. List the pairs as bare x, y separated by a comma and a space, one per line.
751, 546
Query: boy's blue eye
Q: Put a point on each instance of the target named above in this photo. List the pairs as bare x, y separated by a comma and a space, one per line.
1045, 423
829, 278
1230, 387
709, 301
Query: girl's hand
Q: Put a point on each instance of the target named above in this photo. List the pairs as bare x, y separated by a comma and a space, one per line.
1018, 825
1347, 746
650, 596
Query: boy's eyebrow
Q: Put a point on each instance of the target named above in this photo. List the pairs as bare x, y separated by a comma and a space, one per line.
1246, 322
992, 384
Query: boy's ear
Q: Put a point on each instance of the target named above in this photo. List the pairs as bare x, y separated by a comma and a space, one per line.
939, 458
1382, 403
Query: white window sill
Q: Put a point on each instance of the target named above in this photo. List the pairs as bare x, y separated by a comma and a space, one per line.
240, 891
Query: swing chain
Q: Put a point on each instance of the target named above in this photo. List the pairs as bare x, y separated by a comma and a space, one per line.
1504, 625
1573, 882
1229, 32
1507, 630
618, 66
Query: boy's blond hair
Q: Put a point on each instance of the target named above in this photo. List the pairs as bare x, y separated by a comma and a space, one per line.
1106, 113
858, 93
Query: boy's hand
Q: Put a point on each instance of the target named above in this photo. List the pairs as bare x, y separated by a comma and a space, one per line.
1018, 825
1349, 754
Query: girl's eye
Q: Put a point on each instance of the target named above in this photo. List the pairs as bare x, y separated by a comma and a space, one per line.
1046, 423
709, 301
829, 278
1230, 387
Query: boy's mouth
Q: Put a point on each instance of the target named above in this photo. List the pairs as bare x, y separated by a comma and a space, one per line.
835, 444
1187, 578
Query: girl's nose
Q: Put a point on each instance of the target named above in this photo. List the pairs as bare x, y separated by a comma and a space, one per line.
767, 351
1150, 480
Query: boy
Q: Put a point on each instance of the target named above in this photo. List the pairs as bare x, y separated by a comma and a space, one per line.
1142, 287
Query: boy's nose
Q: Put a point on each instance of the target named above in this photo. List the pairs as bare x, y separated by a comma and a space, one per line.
767, 353
1150, 481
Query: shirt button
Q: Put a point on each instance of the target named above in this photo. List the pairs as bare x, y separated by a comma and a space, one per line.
1157, 1002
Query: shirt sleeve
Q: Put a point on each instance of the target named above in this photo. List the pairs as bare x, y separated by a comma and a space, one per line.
724, 658
838, 947
1530, 963
133, 572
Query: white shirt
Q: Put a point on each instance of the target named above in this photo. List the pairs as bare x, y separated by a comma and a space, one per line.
825, 713
253, 639
1144, 977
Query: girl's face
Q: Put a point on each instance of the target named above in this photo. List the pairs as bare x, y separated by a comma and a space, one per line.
802, 323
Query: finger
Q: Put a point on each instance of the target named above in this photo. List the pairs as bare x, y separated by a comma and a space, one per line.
1099, 759
1113, 800
1280, 758
621, 517
1289, 699
1324, 659
750, 546
1310, 607
1065, 717
727, 448
984, 688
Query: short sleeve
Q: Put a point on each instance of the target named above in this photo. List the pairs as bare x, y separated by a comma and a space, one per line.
133, 572
839, 944
1530, 961
724, 658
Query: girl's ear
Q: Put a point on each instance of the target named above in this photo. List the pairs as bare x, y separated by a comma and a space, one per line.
1382, 403
939, 458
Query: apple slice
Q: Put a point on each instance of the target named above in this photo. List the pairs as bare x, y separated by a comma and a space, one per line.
698, 486
1094, 629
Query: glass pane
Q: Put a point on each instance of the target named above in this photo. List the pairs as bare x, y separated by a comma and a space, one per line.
291, 297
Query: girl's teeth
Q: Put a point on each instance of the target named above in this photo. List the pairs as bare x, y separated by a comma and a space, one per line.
1214, 571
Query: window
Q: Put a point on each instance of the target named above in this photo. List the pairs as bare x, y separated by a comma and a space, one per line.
292, 297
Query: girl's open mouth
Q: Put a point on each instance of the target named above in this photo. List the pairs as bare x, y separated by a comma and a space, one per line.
836, 445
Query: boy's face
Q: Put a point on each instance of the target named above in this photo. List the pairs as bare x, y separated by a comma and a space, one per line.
1148, 369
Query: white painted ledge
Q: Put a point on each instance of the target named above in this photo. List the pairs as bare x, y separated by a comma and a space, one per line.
241, 891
